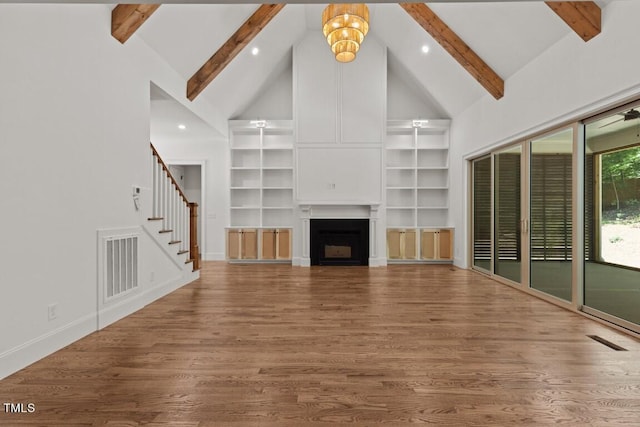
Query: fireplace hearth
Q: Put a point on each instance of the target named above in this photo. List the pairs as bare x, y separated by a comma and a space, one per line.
339, 241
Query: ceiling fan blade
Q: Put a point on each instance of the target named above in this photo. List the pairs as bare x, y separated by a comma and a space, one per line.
610, 123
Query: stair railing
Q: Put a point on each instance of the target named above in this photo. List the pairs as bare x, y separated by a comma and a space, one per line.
178, 215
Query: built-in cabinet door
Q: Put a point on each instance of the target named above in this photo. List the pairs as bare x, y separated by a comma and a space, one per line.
283, 240
410, 244
233, 244
268, 244
276, 243
428, 245
401, 244
393, 244
436, 244
249, 245
445, 243
242, 243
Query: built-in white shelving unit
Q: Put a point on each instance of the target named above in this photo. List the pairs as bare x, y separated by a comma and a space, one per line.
261, 181
417, 182
417, 173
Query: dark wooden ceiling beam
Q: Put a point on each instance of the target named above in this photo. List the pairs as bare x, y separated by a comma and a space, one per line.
584, 17
127, 18
456, 47
231, 48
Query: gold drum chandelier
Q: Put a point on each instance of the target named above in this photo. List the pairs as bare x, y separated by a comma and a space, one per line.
344, 26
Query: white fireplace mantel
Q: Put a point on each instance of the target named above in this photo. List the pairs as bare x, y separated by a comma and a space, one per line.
339, 210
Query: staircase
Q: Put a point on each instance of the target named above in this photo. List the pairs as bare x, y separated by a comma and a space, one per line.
173, 217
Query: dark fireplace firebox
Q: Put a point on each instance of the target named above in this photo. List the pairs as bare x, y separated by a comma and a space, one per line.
339, 242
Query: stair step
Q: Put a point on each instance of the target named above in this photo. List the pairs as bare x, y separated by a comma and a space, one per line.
156, 218
188, 261
173, 242
165, 231
182, 252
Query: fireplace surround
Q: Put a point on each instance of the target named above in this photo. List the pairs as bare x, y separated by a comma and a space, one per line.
339, 241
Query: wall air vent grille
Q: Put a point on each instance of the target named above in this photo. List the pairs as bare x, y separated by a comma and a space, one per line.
120, 258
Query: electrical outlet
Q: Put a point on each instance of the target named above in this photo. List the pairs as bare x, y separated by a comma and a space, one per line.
52, 311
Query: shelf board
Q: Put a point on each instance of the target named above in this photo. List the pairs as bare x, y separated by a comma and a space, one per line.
277, 207
400, 148
401, 188
400, 207
409, 168
277, 188
287, 148
245, 188
245, 148
433, 207
432, 188
277, 168
433, 148
245, 168
432, 168
257, 208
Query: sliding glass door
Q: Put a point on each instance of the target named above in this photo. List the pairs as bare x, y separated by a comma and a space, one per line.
612, 216
482, 213
507, 237
550, 213
559, 214
522, 213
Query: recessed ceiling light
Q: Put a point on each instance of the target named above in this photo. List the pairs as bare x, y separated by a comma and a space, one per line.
425, 48
255, 51
181, 127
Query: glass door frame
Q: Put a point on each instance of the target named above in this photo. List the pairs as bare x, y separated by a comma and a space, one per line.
581, 147
577, 203
577, 207
472, 214
523, 221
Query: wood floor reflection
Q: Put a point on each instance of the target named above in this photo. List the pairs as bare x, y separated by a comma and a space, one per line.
285, 346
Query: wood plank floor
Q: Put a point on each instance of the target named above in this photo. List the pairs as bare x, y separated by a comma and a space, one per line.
282, 346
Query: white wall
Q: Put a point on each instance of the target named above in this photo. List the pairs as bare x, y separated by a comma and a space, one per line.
74, 126
192, 183
275, 100
571, 80
405, 99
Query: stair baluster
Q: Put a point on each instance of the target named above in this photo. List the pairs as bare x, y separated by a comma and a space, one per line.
177, 213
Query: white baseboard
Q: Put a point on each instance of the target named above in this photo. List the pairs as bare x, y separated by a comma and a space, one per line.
460, 263
114, 312
306, 262
25, 354
377, 262
33, 350
303, 262
214, 256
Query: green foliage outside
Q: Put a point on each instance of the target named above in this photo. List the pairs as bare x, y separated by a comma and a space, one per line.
621, 170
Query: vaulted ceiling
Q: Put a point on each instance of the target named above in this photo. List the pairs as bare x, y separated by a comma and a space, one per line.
473, 46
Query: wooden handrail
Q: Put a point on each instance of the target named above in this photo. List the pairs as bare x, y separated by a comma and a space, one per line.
166, 169
194, 248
